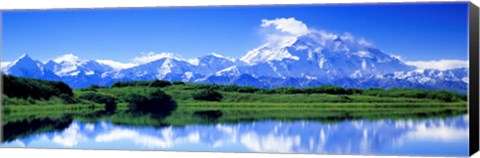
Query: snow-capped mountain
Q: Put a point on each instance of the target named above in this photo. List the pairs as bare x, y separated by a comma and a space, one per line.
167, 68
320, 55
313, 59
212, 63
27, 67
71, 65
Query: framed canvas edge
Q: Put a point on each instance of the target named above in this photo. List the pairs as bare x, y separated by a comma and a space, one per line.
473, 95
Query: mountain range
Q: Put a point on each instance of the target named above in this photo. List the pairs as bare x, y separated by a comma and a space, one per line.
313, 59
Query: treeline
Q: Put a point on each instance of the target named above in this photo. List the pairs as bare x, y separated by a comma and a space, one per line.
282, 90
443, 95
19, 87
336, 90
155, 102
416, 93
153, 83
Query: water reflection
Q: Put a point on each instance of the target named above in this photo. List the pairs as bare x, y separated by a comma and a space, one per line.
386, 137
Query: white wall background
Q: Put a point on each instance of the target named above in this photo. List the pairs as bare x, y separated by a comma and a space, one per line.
66, 153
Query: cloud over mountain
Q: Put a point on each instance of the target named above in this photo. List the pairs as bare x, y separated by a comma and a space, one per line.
287, 25
152, 56
439, 64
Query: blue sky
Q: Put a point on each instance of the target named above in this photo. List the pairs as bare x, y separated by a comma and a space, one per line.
414, 31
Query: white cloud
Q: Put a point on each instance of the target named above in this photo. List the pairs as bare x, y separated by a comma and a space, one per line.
116, 65
167, 139
152, 56
221, 56
439, 64
287, 25
364, 42
70, 137
441, 132
281, 31
364, 54
270, 142
142, 59
70, 58
397, 57
90, 127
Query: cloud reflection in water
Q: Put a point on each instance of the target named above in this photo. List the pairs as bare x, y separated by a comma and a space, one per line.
348, 137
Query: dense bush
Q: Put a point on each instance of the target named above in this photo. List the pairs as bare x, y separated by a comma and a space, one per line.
248, 89
159, 83
321, 89
155, 102
207, 86
94, 86
240, 89
335, 90
416, 93
110, 107
97, 98
207, 95
131, 83
327, 90
354, 91
68, 99
178, 83
109, 102
230, 88
17, 101
19, 87
153, 83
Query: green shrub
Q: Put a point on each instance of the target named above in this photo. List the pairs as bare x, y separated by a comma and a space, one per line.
156, 102
17, 101
248, 89
207, 86
354, 91
345, 98
159, 83
68, 99
153, 83
19, 87
110, 107
230, 88
178, 83
98, 98
416, 93
208, 95
94, 86
327, 90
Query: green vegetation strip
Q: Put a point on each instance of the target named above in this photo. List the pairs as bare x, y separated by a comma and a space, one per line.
159, 103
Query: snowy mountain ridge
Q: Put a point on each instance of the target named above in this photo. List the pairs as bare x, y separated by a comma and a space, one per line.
312, 59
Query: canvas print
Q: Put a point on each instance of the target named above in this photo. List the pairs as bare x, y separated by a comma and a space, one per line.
368, 79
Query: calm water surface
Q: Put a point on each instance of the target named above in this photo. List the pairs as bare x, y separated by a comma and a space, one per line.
432, 137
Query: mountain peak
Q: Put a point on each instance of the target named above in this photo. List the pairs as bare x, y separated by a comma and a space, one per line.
216, 55
24, 56
213, 54
308, 45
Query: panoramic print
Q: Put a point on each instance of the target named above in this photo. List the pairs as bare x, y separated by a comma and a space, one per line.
369, 79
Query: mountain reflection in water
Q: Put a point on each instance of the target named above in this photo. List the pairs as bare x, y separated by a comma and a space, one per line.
438, 136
